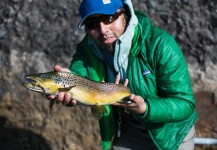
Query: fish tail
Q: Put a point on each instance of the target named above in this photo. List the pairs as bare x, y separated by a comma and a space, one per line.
97, 111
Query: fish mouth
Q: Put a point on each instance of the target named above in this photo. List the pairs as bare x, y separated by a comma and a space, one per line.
33, 85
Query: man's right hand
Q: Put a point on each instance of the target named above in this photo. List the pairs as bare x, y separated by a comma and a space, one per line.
64, 98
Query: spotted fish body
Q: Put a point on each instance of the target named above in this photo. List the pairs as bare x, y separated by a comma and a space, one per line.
85, 91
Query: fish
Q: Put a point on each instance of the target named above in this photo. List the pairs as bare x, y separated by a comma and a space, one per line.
86, 92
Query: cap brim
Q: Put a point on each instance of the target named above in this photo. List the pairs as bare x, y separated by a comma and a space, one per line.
108, 11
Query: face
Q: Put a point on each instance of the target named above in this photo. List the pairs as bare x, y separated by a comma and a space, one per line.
105, 30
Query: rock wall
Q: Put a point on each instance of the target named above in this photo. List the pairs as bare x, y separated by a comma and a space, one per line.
35, 35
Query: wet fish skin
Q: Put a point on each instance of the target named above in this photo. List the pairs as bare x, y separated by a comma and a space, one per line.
85, 91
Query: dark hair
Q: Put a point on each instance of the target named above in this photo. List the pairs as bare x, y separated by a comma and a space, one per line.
126, 14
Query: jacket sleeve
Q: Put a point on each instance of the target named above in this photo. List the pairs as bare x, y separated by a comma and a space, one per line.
78, 65
176, 101
85, 63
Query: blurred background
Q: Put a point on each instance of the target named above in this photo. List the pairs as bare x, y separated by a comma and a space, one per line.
37, 34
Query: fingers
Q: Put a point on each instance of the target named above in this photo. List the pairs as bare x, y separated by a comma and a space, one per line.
74, 102
126, 82
67, 99
138, 105
132, 96
122, 105
60, 97
51, 97
59, 68
117, 79
64, 98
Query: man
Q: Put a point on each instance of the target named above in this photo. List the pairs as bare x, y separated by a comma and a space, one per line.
122, 45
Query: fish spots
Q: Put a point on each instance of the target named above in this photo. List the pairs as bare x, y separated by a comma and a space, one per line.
57, 79
69, 80
109, 87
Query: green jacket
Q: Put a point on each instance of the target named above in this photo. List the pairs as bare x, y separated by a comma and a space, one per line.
158, 73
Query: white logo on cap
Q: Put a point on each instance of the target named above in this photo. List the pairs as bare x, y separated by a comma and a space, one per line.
106, 1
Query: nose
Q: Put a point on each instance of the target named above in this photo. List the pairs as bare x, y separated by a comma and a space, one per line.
103, 27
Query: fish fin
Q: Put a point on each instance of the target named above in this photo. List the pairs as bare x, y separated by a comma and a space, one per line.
97, 111
103, 108
65, 89
52, 103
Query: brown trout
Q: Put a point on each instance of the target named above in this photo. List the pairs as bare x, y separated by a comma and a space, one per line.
86, 92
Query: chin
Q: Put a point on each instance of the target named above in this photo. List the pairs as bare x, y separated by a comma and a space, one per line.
108, 48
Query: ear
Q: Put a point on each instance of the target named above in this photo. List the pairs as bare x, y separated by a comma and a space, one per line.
125, 20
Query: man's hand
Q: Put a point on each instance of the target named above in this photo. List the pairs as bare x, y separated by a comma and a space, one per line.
64, 98
138, 104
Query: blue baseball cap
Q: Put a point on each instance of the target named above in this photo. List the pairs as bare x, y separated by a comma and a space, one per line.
90, 7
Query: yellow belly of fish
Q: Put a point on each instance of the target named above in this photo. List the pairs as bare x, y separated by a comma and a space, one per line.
95, 97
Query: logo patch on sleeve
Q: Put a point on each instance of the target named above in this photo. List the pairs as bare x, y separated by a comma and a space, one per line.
106, 1
146, 72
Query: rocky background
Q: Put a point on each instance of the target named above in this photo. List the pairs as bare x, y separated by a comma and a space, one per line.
37, 34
